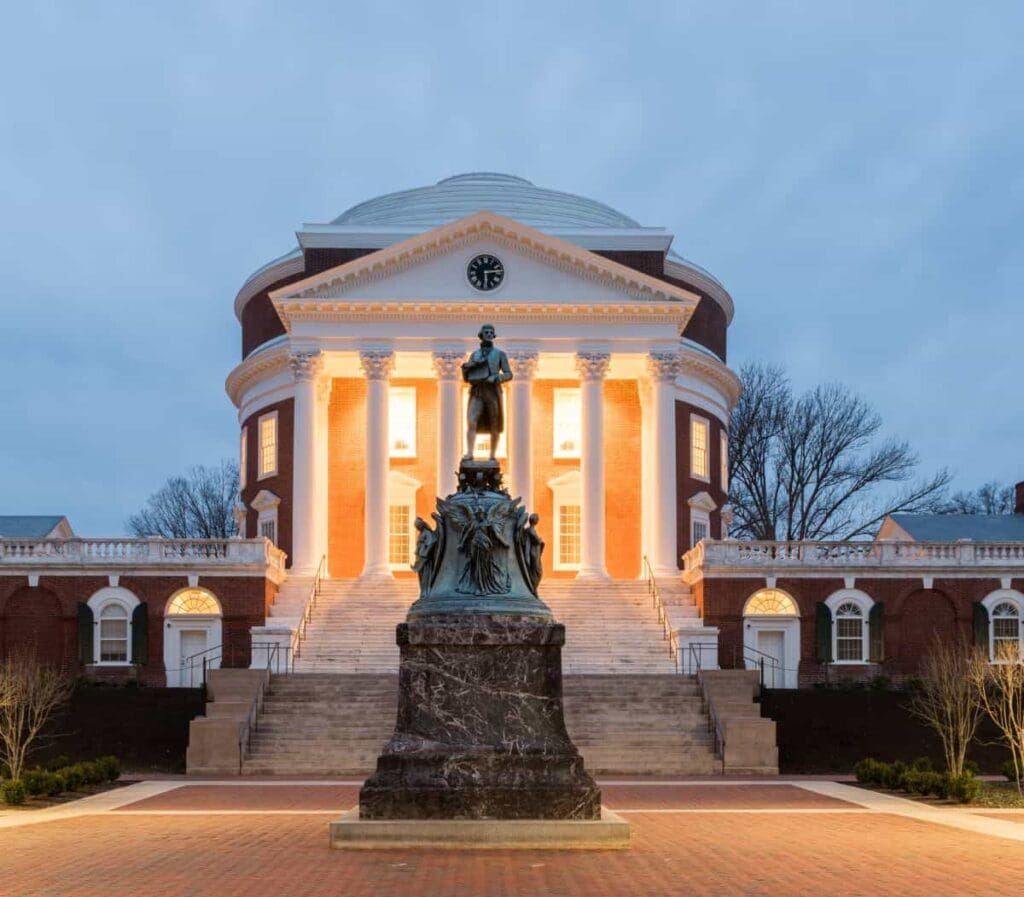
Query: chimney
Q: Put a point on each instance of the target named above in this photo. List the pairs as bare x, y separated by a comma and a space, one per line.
1018, 505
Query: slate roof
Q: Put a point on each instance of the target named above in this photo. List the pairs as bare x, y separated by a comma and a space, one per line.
28, 526
951, 527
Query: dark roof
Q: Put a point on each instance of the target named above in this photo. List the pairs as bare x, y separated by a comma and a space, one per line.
951, 527
28, 526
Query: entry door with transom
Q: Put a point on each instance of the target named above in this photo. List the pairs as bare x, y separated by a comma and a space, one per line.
772, 643
193, 642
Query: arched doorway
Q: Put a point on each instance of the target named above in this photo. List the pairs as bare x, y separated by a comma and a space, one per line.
771, 637
192, 636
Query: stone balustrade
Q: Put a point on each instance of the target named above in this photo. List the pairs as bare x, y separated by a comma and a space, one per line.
53, 553
853, 555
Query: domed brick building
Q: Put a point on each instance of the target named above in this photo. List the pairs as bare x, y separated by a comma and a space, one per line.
351, 402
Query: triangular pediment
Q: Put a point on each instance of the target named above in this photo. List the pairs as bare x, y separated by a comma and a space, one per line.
432, 268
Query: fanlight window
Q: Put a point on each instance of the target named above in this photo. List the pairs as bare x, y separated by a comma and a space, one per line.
193, 601
770, 602
849, 632
1005, 631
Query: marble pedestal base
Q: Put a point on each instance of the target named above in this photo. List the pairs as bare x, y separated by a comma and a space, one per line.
610, 832
480, 732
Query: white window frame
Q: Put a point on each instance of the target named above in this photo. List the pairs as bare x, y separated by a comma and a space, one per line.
864, 603
243, 458
121, 597
723, 448
699, 517
264, 472
566, 491
695, 421
402, 490
482, 439
266, 504
991, 602
395, 395
565, 392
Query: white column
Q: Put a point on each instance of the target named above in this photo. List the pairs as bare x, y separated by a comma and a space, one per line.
448, 366
646, 479
306, 367
377, 366
663, 368
592, 368
519, 431
323, 397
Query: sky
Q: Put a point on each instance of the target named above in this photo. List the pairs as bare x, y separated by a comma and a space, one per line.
852, 172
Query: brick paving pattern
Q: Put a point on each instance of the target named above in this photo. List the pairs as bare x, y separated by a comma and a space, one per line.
782, 855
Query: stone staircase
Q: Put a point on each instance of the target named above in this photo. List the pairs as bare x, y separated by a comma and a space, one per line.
322, 724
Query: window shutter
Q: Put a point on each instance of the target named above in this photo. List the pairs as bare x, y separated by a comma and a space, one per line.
823, 633
876, 633
981, 627
85, 634
140, 634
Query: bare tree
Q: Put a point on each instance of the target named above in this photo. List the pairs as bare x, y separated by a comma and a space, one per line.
198, 505
815, 466
947, 699
989, 498
1000, 690
29, 694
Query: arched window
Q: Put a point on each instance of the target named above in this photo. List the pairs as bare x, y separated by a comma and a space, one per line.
193, 601
113, 633
850, 609
1005, 631
770, 602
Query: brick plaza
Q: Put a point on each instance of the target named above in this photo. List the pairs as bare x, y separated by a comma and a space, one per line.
176, 838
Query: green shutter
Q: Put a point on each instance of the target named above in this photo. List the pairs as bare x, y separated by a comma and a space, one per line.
876, 633
981, 627
140, 634
85, 634
823, 633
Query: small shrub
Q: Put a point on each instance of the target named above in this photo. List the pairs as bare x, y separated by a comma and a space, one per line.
972, 767
34, 781
869, 771
922, 764
933, 783
59, 762
892, 778
55, 784
13, 792
1011, 773
110, 767
964, 788
74, 778
91, 772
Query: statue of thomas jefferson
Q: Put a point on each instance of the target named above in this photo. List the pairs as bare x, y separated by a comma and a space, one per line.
485, 370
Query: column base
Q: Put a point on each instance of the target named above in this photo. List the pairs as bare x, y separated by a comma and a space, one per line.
376, 574
593, 574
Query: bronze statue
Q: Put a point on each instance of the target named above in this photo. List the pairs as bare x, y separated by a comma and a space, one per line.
426, 549
533, 549
485, 370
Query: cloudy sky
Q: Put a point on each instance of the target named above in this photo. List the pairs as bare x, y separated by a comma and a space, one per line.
851, 171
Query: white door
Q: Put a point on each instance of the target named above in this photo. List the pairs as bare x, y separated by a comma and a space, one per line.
772, 644
192, 642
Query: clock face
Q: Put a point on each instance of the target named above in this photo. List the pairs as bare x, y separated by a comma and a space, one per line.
485, 272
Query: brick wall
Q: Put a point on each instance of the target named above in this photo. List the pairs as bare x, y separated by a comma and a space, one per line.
687, 485
280, 483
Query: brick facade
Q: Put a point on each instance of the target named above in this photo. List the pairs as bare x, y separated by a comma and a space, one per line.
687, 486
44, 618
280, 483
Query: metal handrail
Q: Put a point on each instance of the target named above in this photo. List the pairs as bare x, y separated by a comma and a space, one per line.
773, 662
314, 594
654, 593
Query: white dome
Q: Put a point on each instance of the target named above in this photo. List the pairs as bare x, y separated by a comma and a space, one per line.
464, 194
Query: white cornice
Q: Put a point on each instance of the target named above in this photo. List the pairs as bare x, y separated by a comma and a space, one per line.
557, 253
257, 366
706, 367
265, 276
702, 280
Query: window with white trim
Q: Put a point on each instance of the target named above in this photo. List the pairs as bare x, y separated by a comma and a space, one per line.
699, 464
700, 526
267, 461
723, 448
567, 426
265, 504
567, 517
243, 453
851, 632
114, 633
402, 421
1005, 632
399, 537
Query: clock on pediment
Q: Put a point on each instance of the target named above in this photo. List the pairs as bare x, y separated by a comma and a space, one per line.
485, 272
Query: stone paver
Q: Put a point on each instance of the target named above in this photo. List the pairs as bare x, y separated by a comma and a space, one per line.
268, 797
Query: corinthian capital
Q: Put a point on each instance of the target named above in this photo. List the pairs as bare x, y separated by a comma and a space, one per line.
377, 365
592, 365
306, 365
523, 364
447, 365
663, 366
